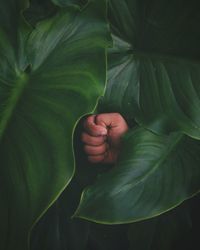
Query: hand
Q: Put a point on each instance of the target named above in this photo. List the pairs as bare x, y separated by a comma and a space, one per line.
102, 137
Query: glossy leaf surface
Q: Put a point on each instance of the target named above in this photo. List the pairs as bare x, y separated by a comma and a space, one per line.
49, 77
154, 68
154, 174
67, 3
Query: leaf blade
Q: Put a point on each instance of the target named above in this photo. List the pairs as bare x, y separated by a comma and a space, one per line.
158, 61
39, 117
153, 175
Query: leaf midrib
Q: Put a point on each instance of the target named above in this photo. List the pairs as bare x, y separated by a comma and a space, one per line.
159, 161
12, 101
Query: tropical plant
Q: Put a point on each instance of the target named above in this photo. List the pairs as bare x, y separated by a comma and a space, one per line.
53, 70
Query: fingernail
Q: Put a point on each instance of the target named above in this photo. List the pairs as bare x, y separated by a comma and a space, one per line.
103, 132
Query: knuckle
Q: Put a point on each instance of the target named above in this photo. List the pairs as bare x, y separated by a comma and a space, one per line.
90, 150
95, 150
92, 140
99, 140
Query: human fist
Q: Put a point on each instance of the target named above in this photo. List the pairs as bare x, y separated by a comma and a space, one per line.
102, 137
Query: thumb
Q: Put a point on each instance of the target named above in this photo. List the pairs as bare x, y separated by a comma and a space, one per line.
92, 128
115, 124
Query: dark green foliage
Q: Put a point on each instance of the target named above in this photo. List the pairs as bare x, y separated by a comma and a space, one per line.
154, 68
51, 75
53, 69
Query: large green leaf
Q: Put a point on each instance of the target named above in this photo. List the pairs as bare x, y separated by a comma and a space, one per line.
39, 10
154, 68
49, 78
56, 231
66, 3
154, 174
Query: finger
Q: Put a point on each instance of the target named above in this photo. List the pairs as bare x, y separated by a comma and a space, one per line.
110, 120
92, 128
95, 150
116, 125
92, 140
96, 159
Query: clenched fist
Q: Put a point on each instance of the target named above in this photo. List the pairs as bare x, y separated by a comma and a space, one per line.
102, 137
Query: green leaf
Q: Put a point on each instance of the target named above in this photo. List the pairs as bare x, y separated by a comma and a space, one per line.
57, 231
154, 67
49, 78
66, 3
39, 10
154, 174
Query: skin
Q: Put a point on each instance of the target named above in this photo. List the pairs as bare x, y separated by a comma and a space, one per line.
102, 137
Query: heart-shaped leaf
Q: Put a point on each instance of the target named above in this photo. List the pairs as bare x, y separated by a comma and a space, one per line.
49, 78
154, 174
154, 69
